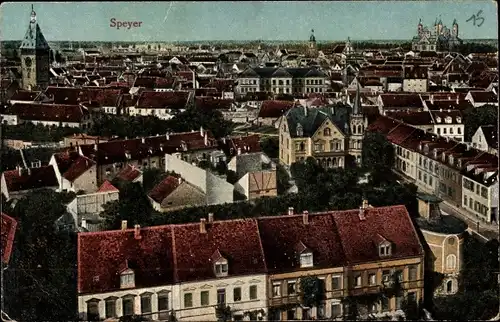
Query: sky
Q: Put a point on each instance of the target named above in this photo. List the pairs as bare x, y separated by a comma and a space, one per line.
249, 20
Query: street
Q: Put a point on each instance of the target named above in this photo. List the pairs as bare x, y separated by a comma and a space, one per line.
486, 232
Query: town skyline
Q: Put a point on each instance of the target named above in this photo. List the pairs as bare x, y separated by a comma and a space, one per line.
249, 21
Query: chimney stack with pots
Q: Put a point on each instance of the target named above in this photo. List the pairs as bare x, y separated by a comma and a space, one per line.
239, 151
305, 217
124, 225
203, 226
201, 131
206, 139
290, 211
210, 218
137, 232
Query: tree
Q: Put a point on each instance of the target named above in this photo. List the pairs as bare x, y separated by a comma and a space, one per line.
270, 146
282, 179
151, 177
476, 117
223, 312
133, 206
313, 291
41, 279
411, 309
377, 156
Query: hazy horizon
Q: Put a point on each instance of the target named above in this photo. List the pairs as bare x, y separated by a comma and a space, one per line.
246, 21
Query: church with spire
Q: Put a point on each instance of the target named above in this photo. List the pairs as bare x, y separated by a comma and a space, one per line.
35, 57
312, 49
358, 124
439, 38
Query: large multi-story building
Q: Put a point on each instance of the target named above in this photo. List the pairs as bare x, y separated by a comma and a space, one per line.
35, 61
280, 80
253, 267
329, 134
439, 39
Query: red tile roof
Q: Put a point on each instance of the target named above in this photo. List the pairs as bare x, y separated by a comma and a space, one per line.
101, 254
359, 236
72, 165
238, 241
107, 187
281, 235
114, 151
484, 97
249, 143
400, 133
274, 108
401, 101
8, 231
163, 189
35, 178
168, 100
383, 125
129, 173
49, 112
412, 117
22, 95
209, 103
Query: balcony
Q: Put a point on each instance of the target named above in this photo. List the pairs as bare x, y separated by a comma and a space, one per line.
285, 300
375, 289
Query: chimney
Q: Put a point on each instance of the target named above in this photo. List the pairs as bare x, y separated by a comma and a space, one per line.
180, 180
206, 139
239, 151
432, 98
84, 223
201, 131
20, 170
95, 147
361, 214
305, 110
365, 204
143, 140
290, 211
137, 231
167, 136
224, 140
124, 225
458, 99
203, 227
210, 218
305, 217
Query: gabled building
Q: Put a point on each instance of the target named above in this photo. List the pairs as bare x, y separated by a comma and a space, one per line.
8, 232
486, 139
17, 183
75, 172
480, 98
173, 193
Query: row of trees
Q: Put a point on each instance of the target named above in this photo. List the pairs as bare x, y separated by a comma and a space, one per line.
37, 133
138, 126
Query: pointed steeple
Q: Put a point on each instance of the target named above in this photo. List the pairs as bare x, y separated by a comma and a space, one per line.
34, 39
312, 38
455, 22
357, 108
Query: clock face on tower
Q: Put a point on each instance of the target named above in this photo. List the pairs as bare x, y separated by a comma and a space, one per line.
27, 61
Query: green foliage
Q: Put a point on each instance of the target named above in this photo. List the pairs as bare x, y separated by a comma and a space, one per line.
41, 279
313, 291
476, 305
474, 47
412, 309
282, 179
270, 146
133, 206
151, 177
377, 155
139, 126
37, 133
476, 117
223, 313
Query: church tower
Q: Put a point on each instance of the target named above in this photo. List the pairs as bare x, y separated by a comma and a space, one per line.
312, 41
35, 61
454, 31
358, 124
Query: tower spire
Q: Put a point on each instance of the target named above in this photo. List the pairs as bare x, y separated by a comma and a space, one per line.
33, 14
357, 101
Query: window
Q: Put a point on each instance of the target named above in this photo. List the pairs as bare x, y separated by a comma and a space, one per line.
291, 287
412, 297
399, 275
221, 296
253, 292
399, 301
449, 287
290, 314
146, 303
204, 298
439, 131
276, 290
484, 192
237, 294
459, 130
320, 312
336, 282
327, 132
93, 310
451, 130
412, 273
384, 303
306, 260
385, 250
419, 175
163, 306
451, 261
336, 310
430, 181
372, 279
188, 300
357, 280
128, 305
127, 279
386, 276
221, 268
110, 308
444, 130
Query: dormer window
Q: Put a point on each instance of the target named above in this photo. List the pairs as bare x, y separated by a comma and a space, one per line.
384, 249
306, 259
127, 279
459, 119
438, 119
221, 267
450, 159
300, 130
448, 119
